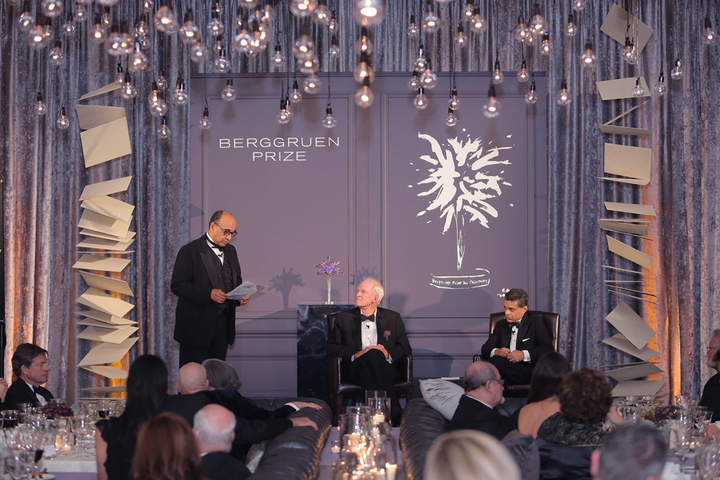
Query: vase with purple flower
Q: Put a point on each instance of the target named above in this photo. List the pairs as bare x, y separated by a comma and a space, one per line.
329, 267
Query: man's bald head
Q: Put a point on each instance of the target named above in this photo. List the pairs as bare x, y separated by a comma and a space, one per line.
192, 378
482, 381
214, 428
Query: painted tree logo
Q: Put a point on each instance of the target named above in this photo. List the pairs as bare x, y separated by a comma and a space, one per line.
462, 183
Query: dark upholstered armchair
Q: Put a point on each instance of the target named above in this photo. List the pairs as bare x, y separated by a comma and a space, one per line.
339, 385
552, 322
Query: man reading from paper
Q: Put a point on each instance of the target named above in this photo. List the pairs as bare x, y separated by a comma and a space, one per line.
205, 270
518, 341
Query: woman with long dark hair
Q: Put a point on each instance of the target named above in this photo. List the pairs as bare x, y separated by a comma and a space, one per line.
147, 386
542, 401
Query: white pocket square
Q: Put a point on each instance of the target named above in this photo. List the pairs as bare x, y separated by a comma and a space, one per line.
525, 339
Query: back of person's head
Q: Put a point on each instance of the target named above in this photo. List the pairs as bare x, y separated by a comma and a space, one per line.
469, 455
24, 355
585, 395
147, 386
547, 375
634, 451
214, 427
192, 378
478, 374
166, 450
221, 375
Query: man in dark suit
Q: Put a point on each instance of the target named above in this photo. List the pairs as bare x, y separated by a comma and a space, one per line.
476, 410
371, 342
30, 366
518, 341
205, 270
214, 429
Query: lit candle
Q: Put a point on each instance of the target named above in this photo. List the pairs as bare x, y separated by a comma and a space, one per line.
335, 446
390, 471
378, 418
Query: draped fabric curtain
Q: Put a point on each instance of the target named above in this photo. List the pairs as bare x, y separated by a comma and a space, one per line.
43, 171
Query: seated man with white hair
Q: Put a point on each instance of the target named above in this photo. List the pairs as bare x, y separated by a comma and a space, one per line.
214, 429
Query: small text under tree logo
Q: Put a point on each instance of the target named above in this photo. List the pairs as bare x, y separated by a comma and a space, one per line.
462, 182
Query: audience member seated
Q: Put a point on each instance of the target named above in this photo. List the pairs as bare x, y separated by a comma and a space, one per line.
711, 391
476, 410
214, 429
166, 450
635, 451
30, 366
542, 400
517, 342
223, 389
567, 439
469, 455
147, 385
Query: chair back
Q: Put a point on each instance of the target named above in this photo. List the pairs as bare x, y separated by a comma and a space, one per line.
551, 321
331, 317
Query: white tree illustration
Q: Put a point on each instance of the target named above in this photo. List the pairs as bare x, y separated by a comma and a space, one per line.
458, 176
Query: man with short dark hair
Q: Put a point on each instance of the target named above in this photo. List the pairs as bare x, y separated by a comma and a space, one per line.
634, 451
205, 271
518, 341
214, 429
476, 409
30, 366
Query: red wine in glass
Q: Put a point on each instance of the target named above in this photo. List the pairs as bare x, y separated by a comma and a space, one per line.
103, 413
9, 422
38, 455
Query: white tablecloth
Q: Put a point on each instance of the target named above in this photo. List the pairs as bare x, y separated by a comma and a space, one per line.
70, 463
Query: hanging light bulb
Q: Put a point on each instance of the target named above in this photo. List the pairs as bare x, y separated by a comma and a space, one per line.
431, 22
295, 95
228, 93
413, 30
147, 5
531, 95
199, 52
189, 31
454, 101
141, 28
537, 22
242, 41
221, 64
283, 117
677, 72
523, 75
368, 12
364, 97
546, 47
106, 19
420, 101
161, 80
164, 131
492, 108
363, 69
420, 62
364, 45
51, 8
588, 58
708, 33
158, 107
578, 5
62, 122
468, 11
329, 121
40, 107
48, 31
498, 75
25, 21
478, 23
215, 27
660, 87
334, 47
119, 76
218, 45
428, 79
119, 43
128, 91
312, 84
414, 82
304, 47
451, 120
563, 97
522, 31
205, 122
288, 107
56, 55
332, 25
571, 28
97, 33
80, 12
303, 8
137, 61
460, 38
179, 94
629, 51
638, 91
68, 27
278, 59
322, 13
164, 19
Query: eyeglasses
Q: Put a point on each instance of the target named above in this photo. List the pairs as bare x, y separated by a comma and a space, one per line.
499, 381
710, 347
225, 231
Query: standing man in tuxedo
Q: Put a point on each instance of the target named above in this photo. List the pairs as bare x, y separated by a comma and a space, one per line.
518, 341
371, 342
205, 270
30, 366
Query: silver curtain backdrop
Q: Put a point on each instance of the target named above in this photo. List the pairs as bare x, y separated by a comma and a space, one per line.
43, 171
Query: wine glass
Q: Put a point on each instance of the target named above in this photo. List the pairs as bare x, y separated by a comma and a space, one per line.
103, 408
9, 418
81, 427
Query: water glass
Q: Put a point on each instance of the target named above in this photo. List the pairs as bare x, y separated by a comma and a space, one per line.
707, 461
374, 394
380, 409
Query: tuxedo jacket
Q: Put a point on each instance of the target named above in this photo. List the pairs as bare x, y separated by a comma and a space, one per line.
223, 466
194, 277
474, 415
533, 336
20, 392
345, 339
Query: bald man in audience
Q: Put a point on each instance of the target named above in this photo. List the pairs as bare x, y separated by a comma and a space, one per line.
192, 378
634, 451
476, 410
214, 429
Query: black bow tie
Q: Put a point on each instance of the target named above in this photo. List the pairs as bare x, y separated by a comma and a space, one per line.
515, 326
215, 245
371, 318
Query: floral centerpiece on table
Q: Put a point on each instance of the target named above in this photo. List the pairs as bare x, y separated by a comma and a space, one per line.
329, 267
53, 410
659, 413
